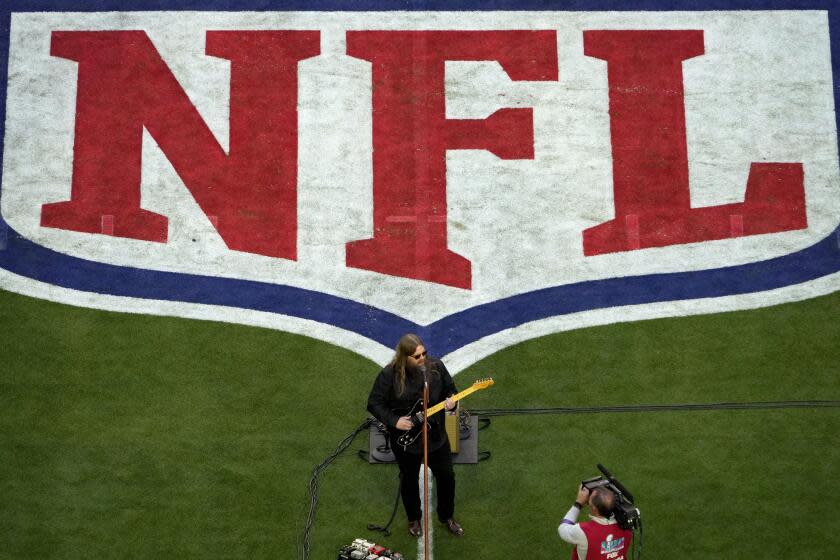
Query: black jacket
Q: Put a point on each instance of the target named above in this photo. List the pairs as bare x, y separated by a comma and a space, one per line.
388, 407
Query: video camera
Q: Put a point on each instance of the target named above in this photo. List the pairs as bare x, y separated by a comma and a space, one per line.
626, 513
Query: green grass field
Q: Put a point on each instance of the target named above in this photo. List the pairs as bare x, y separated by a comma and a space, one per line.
125, 436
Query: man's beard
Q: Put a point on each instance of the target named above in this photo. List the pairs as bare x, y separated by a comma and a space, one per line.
415, 370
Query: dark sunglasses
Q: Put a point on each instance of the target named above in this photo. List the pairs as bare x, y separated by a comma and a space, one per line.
420, 355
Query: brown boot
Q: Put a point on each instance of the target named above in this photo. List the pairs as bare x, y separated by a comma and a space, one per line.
454, 528
415, 529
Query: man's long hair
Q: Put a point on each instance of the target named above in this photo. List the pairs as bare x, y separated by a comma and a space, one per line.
405, 348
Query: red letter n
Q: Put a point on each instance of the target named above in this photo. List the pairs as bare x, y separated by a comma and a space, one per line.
124, 86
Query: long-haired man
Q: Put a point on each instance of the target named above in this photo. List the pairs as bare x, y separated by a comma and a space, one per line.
396, 390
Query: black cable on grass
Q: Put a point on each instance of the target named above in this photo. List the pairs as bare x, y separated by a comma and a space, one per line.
313, 484
387, 528
658, 408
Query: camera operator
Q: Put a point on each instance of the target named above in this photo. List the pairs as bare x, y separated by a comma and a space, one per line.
600, 538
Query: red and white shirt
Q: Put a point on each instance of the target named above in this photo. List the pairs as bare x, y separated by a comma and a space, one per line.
597, 539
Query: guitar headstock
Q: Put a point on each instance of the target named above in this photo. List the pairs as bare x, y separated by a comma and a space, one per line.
483, 383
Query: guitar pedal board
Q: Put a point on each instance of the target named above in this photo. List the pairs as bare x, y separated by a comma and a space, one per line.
361, 549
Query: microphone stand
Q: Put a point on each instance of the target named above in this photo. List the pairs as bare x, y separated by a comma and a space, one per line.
425, 465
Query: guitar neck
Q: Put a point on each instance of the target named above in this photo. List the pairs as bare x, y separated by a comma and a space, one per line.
455, 398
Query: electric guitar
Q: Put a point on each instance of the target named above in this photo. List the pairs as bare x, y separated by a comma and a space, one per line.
416, 412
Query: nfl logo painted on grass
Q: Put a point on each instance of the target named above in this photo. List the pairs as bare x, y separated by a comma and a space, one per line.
478, 177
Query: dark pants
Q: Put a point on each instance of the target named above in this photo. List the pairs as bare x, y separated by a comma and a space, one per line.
440, 461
